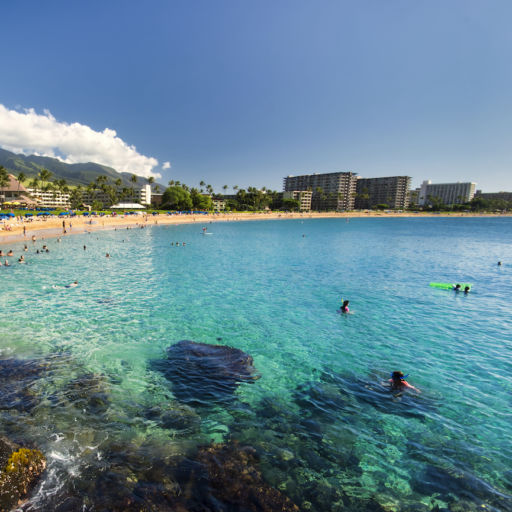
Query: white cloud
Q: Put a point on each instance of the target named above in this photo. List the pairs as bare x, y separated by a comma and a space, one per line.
166, 165
30, 133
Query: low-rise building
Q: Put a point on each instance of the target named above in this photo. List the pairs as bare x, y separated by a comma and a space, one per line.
50, 198
219, 204
303, 196
503, 196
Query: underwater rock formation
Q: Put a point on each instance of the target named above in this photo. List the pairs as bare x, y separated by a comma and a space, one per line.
203, 374
20, 471
180, 418
226, 477
16, 378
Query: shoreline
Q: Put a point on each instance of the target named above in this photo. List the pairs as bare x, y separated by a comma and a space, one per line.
53, 227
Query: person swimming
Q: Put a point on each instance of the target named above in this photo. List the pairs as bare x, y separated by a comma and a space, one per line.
499, 263
397, 382
71, 285
10, 253
457, 288
466, 290
344, 307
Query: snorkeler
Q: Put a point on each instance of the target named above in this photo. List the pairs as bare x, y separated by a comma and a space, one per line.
397, 382
344, 307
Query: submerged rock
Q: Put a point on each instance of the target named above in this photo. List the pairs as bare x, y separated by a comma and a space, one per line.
18, 474
16, 378
226, 477
205, 374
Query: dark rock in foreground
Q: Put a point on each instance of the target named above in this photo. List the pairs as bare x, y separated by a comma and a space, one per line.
226, 477
203, 374
20, 469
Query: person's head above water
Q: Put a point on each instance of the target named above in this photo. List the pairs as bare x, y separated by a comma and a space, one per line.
457, 287
398, 376
466, 289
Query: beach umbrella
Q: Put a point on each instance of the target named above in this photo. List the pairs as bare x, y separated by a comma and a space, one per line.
29, 214
10, 214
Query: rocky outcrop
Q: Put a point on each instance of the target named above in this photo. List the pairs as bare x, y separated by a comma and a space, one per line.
21, 469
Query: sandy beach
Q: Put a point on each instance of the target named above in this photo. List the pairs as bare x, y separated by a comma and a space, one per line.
12, 230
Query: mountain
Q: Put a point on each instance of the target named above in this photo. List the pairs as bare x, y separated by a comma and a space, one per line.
74, 174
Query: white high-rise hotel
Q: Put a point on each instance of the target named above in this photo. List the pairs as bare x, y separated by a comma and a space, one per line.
448, 193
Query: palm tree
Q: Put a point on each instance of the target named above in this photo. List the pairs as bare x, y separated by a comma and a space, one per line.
44, 176
235, 187
202, 183
133, 179
151, 180
224, 187
21, 179
171, 183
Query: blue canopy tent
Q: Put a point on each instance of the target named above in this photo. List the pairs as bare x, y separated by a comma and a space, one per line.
29, 214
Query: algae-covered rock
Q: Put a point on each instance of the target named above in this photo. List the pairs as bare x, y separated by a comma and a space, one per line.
229, 474
19, 475
202, 374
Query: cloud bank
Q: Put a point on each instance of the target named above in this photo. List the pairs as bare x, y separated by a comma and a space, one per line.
30, 133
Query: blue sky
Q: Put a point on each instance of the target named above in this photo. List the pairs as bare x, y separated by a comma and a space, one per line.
245, 93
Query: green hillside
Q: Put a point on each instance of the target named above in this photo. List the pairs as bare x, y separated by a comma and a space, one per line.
74, 174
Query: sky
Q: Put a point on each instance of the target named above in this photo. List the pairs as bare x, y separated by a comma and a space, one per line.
245, 93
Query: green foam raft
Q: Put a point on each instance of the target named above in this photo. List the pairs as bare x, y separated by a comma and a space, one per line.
449, 286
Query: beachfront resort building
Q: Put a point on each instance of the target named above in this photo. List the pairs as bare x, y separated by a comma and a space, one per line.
14, 193
50, 198
303, 196
392, 191
447, 193
329, 191
142, 196
495, 196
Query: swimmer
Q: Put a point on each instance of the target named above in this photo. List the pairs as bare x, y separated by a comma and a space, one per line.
466, 290
33, 238
499, 263
107, 255
25, 248
47, 250
397, 382
58, 240
1, 253
72, 285
21, 259
10, 253
344, 307
6, 264
37, 252
456, 288
85, 247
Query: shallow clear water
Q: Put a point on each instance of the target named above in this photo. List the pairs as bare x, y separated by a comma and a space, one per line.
318, 415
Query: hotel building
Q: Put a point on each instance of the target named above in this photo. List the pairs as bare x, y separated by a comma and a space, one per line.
329, 191
447, 193
392, 191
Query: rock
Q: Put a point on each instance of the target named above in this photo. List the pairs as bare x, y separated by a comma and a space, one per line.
226, 477
203, 374
16, 378
19, 475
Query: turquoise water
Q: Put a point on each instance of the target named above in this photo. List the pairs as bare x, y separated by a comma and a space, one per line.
319, 418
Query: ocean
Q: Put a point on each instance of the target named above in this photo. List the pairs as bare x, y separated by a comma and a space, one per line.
84, 371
